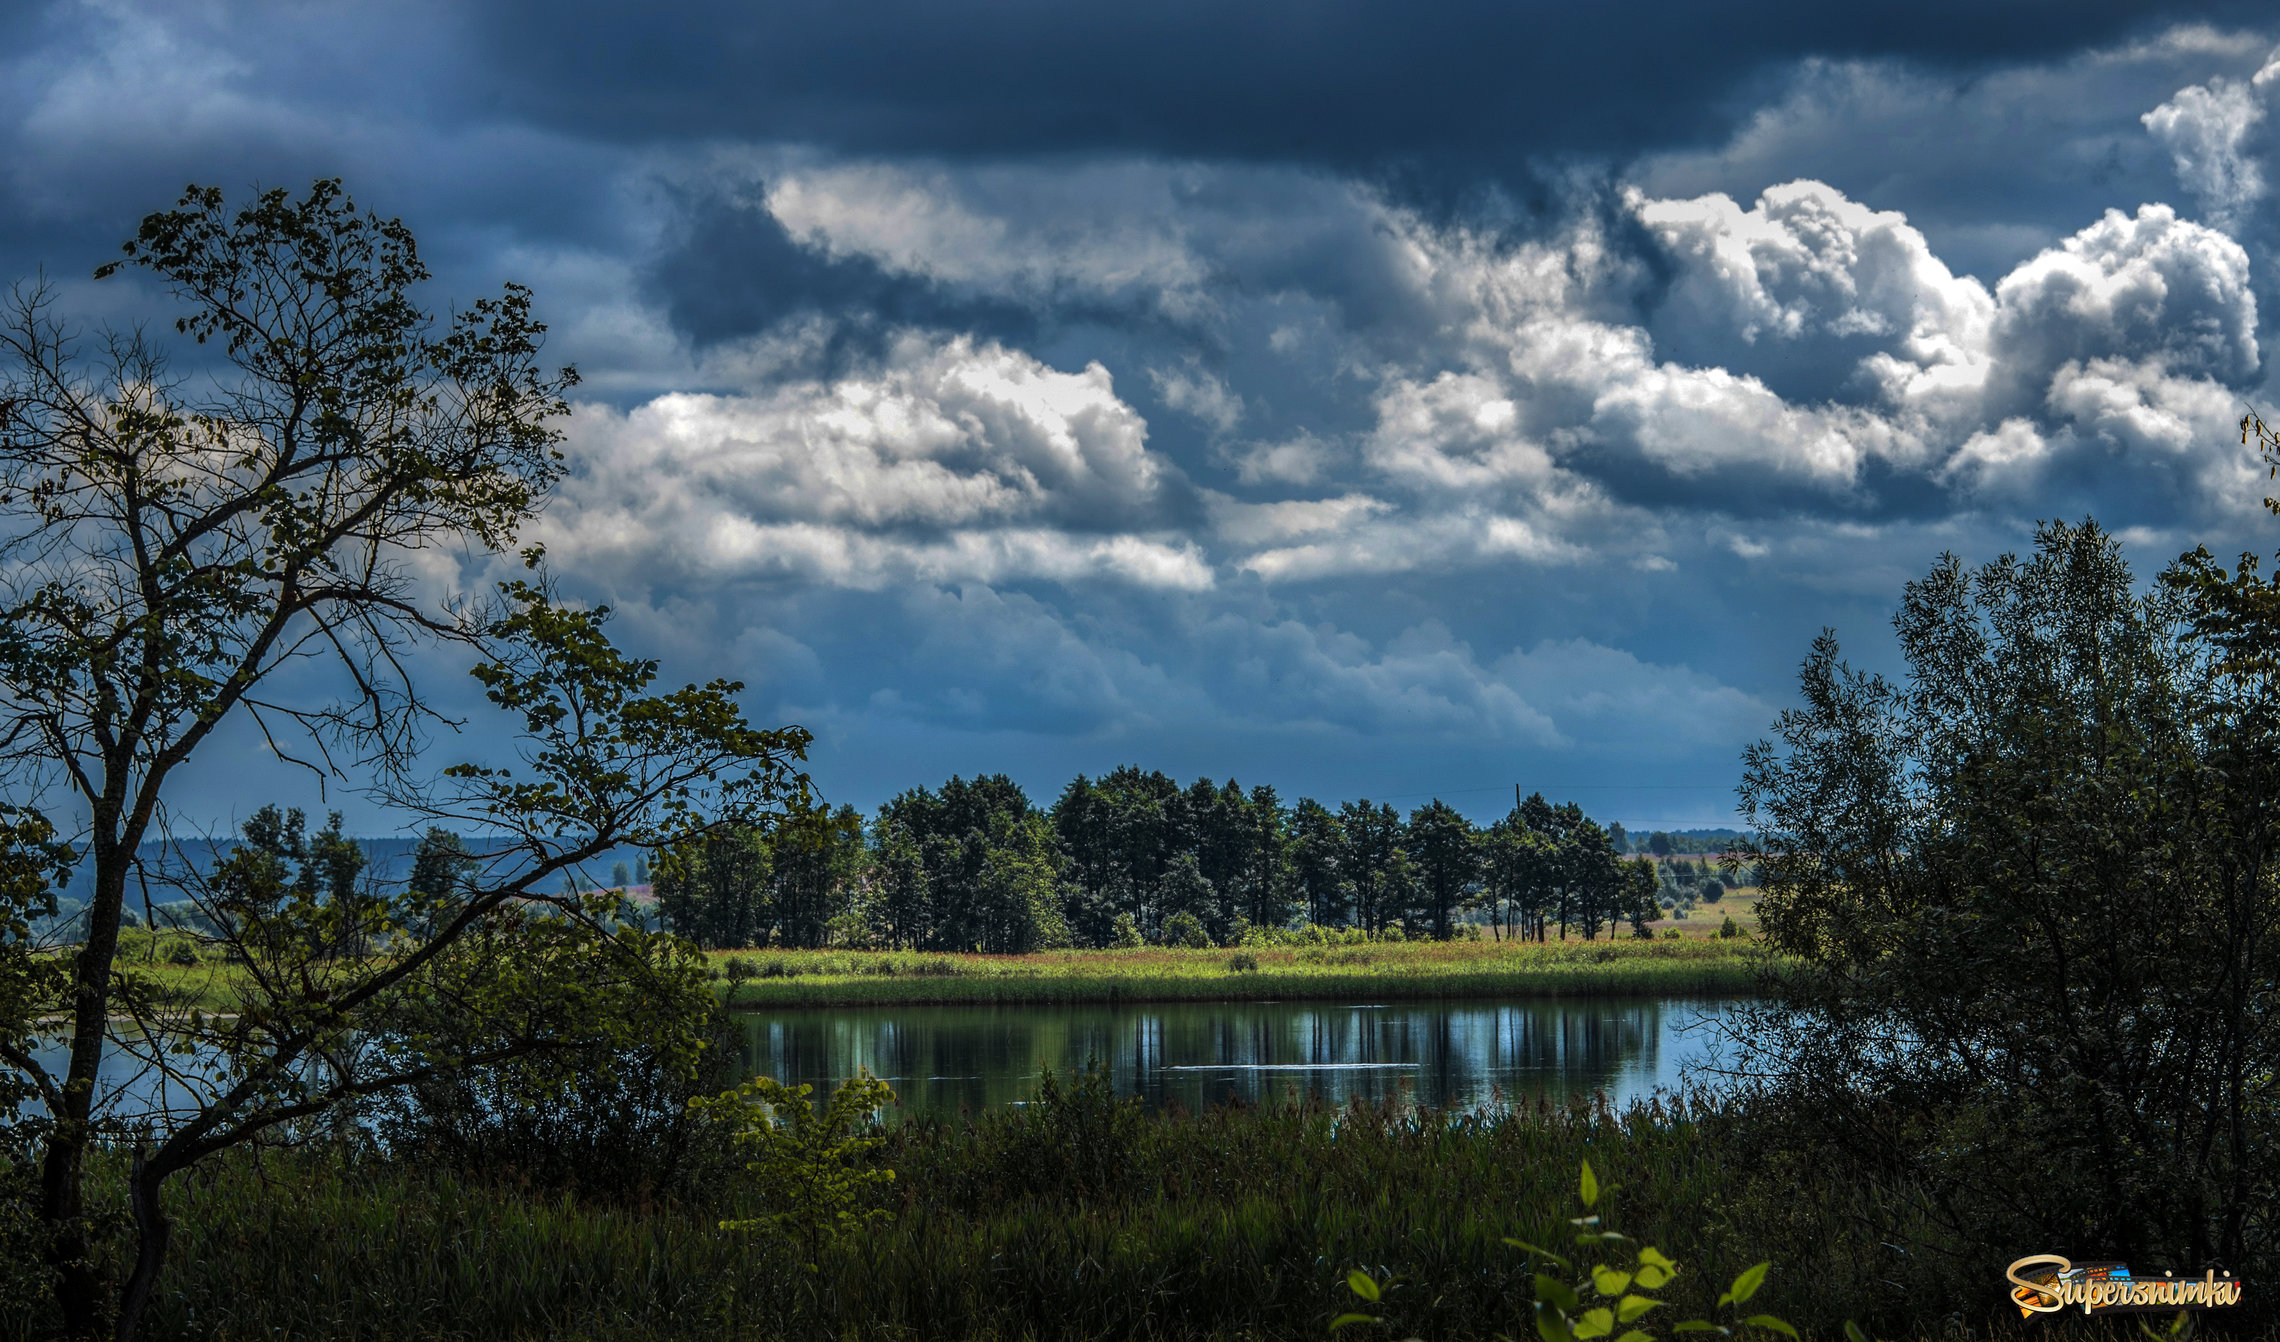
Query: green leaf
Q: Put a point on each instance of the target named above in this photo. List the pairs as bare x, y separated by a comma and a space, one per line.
1344, 1319
1652, 1277
1363, 1285
1746, 1285
1596, 1323
1632, 1306
1551, 1325
1699, 1326
1556, 1291
1636, 1335
1853, 1332
1768, 1321
1648, 1253
1590, 1186
1546, 1254
1609, 1281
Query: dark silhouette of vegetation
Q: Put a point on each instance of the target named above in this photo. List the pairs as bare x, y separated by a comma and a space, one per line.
975, 866
2026, 902
185, 553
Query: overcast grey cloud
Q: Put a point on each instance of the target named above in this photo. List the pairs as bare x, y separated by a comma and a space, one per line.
1369, 401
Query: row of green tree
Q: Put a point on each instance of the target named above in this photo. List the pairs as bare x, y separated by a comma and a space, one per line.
1132, 858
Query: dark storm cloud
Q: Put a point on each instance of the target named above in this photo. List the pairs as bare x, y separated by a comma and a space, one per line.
1349, 84
729, 269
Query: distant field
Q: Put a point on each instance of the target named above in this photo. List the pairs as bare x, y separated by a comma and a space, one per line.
1740, 904
1574, 968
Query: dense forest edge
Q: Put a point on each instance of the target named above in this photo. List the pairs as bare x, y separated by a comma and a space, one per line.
974, 866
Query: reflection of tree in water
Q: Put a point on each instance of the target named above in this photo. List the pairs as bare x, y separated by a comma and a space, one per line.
942, 1059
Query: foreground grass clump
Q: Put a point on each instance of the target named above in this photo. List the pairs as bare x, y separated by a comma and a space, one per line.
1417, 969
1076, 1216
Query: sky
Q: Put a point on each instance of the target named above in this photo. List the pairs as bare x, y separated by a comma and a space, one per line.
1369, 399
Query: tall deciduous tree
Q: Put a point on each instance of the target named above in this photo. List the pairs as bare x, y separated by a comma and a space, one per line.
173, 542
714, 888
1373, 849
1640, 882
1318, 862
1448, 862
2026, 904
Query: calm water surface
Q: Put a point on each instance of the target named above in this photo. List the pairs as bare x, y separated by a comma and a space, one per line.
941, 1059
1467, 1054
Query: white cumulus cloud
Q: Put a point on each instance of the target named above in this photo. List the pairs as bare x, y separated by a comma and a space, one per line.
2206, 129
2148, 286
952, 461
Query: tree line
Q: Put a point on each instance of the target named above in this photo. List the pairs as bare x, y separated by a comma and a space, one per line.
1134, 858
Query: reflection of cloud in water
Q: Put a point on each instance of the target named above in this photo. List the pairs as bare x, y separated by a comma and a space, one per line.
1460, 1054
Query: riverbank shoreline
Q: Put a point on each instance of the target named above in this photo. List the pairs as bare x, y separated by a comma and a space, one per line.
1414, 971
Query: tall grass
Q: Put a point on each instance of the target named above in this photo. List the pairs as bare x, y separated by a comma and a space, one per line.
1068, 1219
1392, 970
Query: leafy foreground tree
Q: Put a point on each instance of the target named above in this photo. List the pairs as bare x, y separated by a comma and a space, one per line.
2025, 906
173, 546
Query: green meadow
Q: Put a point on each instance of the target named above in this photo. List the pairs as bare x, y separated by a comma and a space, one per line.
1397, 970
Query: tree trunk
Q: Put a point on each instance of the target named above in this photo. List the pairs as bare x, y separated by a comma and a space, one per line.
63, 1173
152, 1231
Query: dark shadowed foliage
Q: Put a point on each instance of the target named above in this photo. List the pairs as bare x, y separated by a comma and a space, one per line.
2028, 896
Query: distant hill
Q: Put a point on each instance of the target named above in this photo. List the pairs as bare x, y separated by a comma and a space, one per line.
1695, 840
386, 860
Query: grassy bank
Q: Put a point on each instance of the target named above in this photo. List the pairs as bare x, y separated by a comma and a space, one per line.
1052, 1221
1390, 970
1380, 970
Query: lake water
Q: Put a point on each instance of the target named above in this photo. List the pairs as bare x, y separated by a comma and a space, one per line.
1466, 1054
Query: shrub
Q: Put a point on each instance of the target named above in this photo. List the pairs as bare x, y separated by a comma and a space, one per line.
1605, 1295
1186, 930
1125, 936
814, 1168
851, 930
1729, 928
606, 1125
1090, 1137
1243, 962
